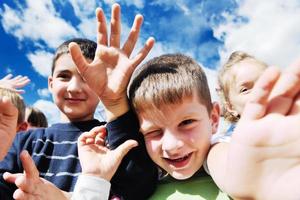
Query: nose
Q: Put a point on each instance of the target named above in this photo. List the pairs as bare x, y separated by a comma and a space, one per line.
75, 85
171, 142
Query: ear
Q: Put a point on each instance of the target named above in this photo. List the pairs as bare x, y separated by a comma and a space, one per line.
22, 127
215, 117
50, 83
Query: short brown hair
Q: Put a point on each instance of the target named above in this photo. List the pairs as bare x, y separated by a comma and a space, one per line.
17, 101
224, 81
166, 80
87, 47
36, 117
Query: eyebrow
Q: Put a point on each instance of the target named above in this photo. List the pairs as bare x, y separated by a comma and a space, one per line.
62, 71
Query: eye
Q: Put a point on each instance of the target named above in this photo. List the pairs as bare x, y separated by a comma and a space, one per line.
187, 123
245, 90
64, 76
153, 133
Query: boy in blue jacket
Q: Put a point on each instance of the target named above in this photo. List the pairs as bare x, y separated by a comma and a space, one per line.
54, 149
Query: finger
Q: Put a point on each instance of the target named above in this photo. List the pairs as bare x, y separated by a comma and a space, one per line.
296, 106
28, 165
11, 178
101, 27
255, 108
123, 149
8, 76
78, 58
115, 26
16, 78
143, 52
92, 134
285, 90
133, 35
21, 195
100, 140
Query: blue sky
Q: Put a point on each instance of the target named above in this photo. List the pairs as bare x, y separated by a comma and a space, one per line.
207, 30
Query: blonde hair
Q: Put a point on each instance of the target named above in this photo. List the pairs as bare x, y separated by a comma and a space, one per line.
17, 100
224, 81
166, 80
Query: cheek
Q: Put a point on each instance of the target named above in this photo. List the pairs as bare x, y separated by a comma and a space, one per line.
153, 147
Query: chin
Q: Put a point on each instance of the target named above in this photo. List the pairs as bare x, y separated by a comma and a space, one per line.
181, 176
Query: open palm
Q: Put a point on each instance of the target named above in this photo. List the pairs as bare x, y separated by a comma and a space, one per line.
110, 71
264, 153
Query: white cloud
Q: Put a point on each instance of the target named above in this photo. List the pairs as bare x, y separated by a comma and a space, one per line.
211, 76
49, 109
83, 8
44, 93
37, 21
271, 31
41, 62
168, 4
136, 3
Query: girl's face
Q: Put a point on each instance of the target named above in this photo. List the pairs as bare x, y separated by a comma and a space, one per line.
245, 74
177, 136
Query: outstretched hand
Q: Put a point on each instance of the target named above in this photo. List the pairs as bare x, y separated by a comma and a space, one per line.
98, 160
264, 153
30, 185
14, 83
110, 71
8, 125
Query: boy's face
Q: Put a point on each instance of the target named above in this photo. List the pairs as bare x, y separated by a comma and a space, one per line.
178, 136
71, 94
245, 74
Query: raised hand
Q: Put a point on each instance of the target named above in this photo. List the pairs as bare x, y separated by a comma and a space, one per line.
264, 153
8, 125
109, 73
30, 185
14, 83
98, 160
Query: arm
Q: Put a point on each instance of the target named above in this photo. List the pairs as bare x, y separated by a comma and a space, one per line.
264, 152
108, 75
15, 82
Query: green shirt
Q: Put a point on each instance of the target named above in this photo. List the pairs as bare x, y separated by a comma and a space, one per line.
195, 188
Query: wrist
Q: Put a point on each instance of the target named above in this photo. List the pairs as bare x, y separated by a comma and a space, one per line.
115, 109
96, 175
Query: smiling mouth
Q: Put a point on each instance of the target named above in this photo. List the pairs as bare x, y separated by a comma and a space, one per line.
73, 100
179, 162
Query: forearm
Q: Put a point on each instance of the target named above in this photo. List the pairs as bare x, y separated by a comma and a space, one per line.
115, 109
89, 188
136, 177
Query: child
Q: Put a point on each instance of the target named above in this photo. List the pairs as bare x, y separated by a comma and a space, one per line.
263, 153
236, 79
54, 149
8, 124
35, 118
18, 102
172, 101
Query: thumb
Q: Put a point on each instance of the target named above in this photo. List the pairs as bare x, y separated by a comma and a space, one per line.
123, 149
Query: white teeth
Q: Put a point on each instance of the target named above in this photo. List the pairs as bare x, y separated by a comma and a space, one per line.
180, 159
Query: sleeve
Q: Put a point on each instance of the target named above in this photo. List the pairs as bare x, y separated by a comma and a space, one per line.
137, 176
89, 188
10, 164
